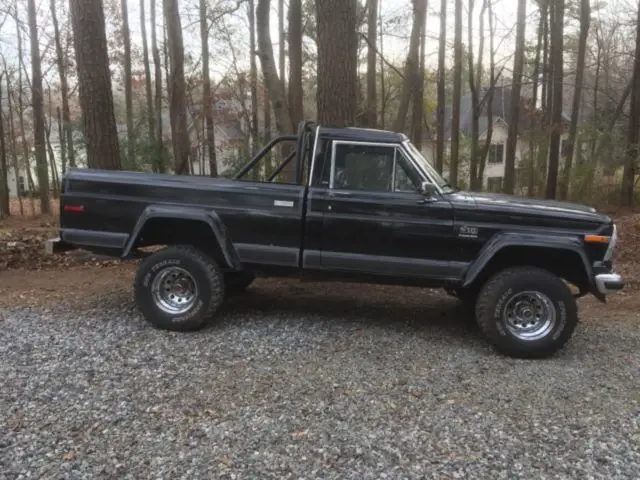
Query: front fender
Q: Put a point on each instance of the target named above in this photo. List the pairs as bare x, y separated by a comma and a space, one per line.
210, 217
501, 241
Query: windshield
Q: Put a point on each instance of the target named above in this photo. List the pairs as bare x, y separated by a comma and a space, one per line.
431, 172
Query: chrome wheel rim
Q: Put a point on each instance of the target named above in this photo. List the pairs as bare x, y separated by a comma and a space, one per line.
174, 290
530, 315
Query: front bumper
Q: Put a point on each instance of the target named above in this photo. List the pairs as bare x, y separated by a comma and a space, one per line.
607, 283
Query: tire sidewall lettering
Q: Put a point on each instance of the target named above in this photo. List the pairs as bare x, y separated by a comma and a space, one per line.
498, 312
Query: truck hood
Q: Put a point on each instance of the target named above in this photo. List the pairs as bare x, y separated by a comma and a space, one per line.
523, 206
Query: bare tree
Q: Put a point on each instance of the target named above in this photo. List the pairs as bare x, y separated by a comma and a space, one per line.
13, 135
372, 34
585, 21
337, 61
633, 136
177, 88
128, 84
66, 137
151, 120
94, 78
207, 98
417, 115
412, 66
457, 91
281, 45
516, 99
557, 44
441, 86
296, 94
493, 77
38, 112
253, 76
4, 169
534, 101
273, 82
158, 164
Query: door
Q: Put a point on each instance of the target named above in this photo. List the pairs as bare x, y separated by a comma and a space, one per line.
374, 218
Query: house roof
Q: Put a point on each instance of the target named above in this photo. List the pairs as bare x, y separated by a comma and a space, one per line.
500, 108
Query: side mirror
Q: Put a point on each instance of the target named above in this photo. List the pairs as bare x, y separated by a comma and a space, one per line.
428, 189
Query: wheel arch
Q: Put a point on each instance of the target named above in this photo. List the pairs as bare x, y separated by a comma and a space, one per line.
560, 255
169, 225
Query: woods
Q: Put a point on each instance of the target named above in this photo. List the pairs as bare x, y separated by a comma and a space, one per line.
527, 98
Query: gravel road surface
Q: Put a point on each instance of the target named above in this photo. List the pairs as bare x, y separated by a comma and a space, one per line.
386, 383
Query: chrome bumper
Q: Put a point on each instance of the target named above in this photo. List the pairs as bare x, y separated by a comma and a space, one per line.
607, 283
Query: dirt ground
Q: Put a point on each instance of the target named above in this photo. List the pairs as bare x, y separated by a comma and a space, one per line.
28, 277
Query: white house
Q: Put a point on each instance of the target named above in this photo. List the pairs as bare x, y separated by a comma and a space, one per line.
496, 157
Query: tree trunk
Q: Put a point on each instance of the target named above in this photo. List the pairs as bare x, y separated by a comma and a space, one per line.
13, 136
411, 75
128, 85
337, 62
489, 96
475, 81
159, 164
66, 136
417, 116
514, 114
177, 88
534, 102
4, 168
457, 87
442, 50
372, 33
557, 42
206, 92
273, 83
151, 119
585, 20
281, 46
628, 174
94, 78
544, 14
253, 79
38, 113
26, 155
296, 93
63, 142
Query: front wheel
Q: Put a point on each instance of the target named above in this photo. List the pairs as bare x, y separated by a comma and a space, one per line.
179, 288
526, 312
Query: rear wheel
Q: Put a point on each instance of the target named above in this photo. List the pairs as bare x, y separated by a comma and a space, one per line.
179, 288
526, 312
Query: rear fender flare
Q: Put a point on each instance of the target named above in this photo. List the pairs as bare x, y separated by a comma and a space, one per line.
503, 240
209, 217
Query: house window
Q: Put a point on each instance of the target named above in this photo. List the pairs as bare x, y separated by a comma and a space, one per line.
496, 153
494, 184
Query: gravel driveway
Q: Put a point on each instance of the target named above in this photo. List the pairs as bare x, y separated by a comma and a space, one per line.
389, 383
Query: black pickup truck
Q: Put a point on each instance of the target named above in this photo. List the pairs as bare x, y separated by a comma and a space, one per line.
349, 204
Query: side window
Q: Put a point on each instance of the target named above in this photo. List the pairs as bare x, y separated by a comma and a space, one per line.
363, 167
405, 178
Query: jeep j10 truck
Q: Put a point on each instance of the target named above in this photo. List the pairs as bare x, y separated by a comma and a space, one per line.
349, 204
